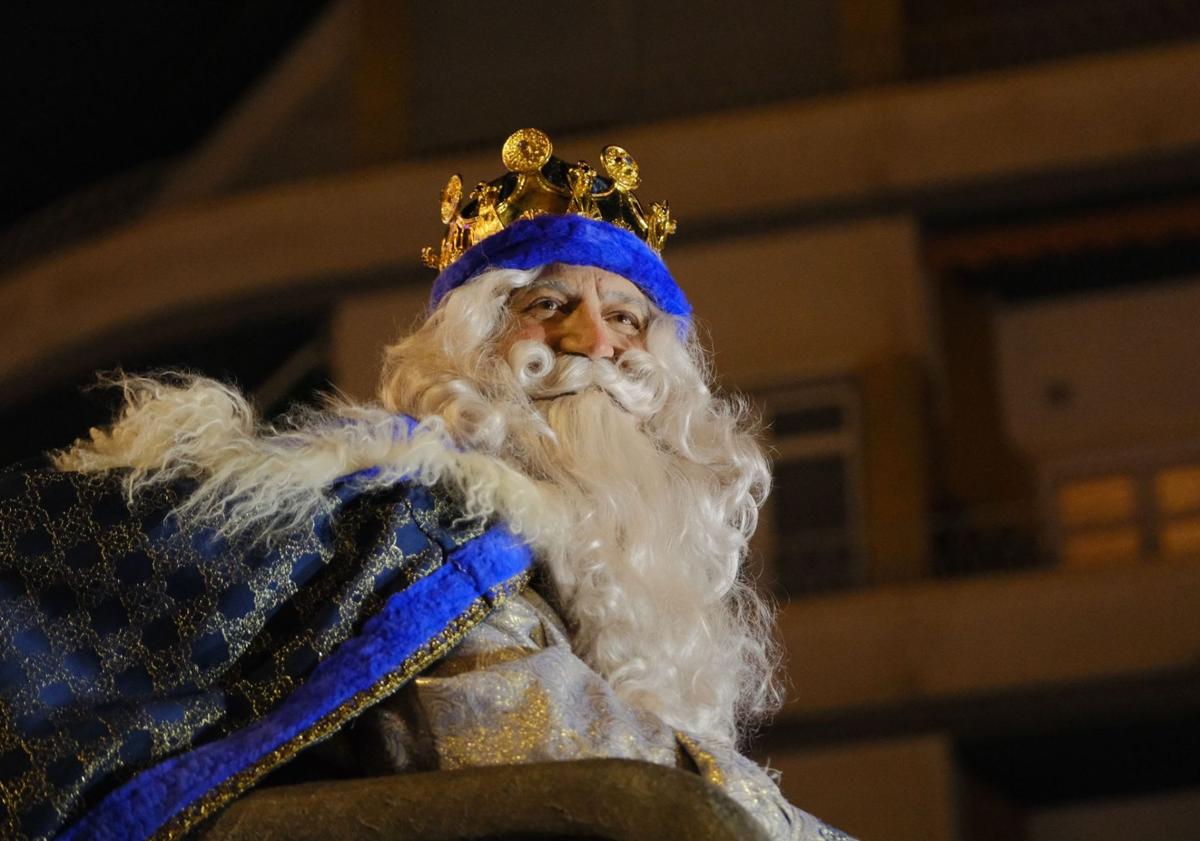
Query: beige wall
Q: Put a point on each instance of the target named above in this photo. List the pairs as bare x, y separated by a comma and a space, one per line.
895, 790
1127, 357
807, 302
362, 326
1164, 816
941, 639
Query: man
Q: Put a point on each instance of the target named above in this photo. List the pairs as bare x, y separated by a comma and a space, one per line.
254, 592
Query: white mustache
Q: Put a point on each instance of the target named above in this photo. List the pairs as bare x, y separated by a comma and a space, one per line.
636, 382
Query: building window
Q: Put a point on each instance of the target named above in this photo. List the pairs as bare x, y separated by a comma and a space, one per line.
1098, 520
1177, 496
816, 507
1149, 510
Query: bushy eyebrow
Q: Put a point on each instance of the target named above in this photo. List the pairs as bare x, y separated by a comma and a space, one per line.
549, 283
626, 298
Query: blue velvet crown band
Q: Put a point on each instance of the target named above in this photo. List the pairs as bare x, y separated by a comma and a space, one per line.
571, 239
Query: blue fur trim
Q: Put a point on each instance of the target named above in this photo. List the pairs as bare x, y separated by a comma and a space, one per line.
575, 240
408, 620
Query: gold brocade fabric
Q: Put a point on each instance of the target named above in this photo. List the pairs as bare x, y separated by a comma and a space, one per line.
126, 639
514, 692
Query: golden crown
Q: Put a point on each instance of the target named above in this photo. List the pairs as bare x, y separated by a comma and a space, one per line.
537, 182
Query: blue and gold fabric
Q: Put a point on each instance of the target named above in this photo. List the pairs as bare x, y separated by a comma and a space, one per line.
149, 673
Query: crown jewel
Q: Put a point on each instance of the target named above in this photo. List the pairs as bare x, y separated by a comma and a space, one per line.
538, 183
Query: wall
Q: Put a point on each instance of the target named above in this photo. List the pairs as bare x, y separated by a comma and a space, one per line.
1164, 817
944, 639
1111, 370
890, 790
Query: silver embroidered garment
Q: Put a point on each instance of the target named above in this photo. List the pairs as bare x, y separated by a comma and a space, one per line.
513, 691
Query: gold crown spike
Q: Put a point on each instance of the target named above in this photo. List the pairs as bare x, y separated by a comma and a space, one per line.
537, 182
451, 198
620, 166
526, 150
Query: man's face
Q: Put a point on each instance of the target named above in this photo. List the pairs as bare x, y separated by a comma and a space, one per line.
579, 310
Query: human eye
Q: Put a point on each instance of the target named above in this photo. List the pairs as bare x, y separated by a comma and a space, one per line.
543, 307
626, 320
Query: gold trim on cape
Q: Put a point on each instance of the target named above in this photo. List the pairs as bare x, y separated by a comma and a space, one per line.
219, 796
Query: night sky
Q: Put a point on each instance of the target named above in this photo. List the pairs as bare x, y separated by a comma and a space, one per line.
92, 90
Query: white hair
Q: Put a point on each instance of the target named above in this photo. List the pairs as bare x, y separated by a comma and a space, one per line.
257, 481
658, 480
636, 486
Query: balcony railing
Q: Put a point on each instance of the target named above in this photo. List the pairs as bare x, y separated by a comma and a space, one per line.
975, 541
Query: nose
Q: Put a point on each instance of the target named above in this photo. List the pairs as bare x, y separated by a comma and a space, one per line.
585, 332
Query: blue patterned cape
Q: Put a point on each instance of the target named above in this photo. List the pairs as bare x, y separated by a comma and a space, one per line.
149, 674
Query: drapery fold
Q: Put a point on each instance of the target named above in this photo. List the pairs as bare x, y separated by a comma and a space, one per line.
149, 672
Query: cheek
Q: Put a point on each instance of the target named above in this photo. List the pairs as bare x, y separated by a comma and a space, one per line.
529, 331
534, 330
624, 341
523, 331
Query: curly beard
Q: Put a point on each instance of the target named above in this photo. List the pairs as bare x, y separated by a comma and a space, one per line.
645, 575
647, 491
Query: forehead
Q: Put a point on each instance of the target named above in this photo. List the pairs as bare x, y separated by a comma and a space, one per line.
577, 278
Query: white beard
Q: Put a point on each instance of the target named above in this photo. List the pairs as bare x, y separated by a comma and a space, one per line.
641, 518
644, 570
